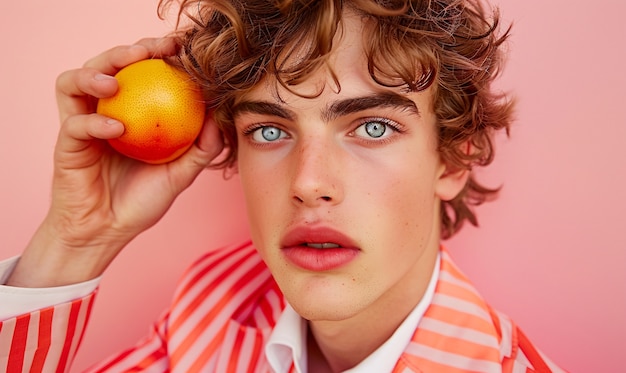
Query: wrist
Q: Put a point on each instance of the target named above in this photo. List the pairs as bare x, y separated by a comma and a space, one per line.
52, 258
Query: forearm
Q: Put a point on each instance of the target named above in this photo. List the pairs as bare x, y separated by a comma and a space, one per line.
50, 260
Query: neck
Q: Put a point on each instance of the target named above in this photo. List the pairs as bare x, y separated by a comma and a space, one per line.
335, 346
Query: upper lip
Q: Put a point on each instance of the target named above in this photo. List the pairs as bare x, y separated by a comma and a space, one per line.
301, 235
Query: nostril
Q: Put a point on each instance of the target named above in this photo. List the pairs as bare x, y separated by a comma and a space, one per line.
326, 198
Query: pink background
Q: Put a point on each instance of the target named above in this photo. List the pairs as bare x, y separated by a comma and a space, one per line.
550, 252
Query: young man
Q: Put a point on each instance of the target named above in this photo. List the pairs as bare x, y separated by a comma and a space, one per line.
354, 126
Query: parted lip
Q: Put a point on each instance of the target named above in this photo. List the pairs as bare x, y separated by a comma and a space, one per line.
302, 235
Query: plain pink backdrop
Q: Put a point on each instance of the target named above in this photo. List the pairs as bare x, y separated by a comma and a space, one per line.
550, 252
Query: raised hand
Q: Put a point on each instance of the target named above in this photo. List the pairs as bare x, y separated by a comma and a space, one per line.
101, 200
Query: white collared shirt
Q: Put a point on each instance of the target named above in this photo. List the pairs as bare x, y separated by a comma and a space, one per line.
287, 342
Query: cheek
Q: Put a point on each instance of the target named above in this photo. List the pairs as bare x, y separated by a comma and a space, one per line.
255, 189
265, 195
410, 209
401, 230
255, 173
260, 193
400, 204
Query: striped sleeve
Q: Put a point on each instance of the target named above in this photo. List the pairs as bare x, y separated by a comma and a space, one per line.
45, 340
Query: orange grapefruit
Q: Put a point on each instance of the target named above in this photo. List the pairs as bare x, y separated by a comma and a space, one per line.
161, 108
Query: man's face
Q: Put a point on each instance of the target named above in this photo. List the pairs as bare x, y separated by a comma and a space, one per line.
343, 189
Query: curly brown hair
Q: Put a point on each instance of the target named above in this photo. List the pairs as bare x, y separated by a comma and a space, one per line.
229, 46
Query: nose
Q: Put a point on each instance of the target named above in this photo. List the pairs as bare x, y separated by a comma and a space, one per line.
316, 169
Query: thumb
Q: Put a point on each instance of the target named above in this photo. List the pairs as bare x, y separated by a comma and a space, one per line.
208, 145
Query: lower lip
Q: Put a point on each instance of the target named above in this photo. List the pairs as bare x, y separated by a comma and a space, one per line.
319, 260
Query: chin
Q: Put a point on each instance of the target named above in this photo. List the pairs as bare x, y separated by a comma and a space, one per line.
325, 310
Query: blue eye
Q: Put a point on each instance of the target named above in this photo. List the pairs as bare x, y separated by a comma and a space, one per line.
267, 134
375, 129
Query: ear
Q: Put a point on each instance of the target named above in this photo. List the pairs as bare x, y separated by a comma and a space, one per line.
452, 178
450, 182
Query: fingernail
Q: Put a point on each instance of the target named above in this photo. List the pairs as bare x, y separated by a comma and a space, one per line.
112, 122
103, 77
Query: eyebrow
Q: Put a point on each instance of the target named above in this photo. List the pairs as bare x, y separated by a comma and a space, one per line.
374, 101
334, 110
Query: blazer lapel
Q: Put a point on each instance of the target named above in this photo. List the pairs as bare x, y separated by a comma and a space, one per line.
457, 331
247, 332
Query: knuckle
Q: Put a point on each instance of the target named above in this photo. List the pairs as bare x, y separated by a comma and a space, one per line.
145, 42
63, 78
112, 56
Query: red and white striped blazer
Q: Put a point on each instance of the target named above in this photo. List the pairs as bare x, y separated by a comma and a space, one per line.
223, 313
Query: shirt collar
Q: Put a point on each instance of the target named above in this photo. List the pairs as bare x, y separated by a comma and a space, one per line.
287, 343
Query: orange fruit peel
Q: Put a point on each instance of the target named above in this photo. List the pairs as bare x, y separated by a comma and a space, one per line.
161, 108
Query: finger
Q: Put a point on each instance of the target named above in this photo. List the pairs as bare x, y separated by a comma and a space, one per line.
91, 126
74, 86
82, 132
159, 47
208, 146
77, 91
112, 60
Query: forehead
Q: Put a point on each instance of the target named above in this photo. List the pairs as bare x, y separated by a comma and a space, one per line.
344, 76
346, 62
